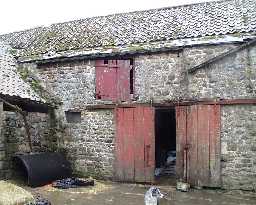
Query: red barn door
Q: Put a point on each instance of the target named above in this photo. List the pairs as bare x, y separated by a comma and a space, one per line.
113, 80
106, 83
198, 144
135, 144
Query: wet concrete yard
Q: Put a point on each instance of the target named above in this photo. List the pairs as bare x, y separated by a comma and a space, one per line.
105, 193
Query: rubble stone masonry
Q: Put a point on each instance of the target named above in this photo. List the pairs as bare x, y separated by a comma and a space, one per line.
233, 77
160, 77
238, 147
91, 144
14, 137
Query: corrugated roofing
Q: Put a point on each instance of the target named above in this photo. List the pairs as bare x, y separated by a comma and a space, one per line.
190, 21
11, 83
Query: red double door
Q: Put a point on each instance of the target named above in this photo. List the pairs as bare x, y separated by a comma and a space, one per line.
197, 144
135, 144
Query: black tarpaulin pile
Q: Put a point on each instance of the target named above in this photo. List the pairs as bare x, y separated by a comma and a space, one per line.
72, 183
40, 201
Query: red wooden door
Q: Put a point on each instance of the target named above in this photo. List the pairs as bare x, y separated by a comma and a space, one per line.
134, 147
106, 82
198, 144
113, 80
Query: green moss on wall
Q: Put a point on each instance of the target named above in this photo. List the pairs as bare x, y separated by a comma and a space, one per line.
36, 85
13, 52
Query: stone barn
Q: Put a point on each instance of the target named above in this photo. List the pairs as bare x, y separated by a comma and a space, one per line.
138, 88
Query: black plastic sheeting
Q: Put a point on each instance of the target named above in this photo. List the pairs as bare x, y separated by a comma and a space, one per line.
72, 183
40, 201
43, 168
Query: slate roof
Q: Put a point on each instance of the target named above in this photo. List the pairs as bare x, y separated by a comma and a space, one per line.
11, 83
189, 21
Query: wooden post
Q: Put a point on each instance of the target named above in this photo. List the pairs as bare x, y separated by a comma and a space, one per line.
24, 116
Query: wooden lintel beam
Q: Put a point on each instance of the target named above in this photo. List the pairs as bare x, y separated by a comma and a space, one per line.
14, 107
210, 102
237, 101
182, 103
95, 107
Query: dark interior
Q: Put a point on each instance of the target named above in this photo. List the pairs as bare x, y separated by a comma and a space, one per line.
165, 140
19, 170
39, 169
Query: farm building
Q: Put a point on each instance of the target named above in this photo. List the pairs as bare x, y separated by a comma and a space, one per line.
134, 87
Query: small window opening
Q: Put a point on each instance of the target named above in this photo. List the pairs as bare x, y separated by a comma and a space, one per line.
131, 77
73, 117
105, 61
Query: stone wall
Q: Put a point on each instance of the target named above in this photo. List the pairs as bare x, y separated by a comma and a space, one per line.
91, 144
231, 77
163, 77
15, 138
72, 82
158, 78
238, 146
194, 56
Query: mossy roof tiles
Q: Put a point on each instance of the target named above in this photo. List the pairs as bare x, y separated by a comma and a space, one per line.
11, 83
157, 25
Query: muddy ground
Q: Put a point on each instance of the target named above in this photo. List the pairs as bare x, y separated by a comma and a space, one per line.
105, 193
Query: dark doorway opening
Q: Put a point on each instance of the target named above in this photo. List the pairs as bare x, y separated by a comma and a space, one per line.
19, 170
165, 142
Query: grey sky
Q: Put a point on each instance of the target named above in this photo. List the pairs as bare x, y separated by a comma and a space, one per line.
19, 15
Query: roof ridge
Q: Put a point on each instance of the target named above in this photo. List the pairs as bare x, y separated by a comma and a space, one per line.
204, 19
119, 13
21, 31
144, 10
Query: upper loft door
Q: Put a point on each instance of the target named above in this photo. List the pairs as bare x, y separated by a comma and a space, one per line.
135, 146
113, 80
198, 144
